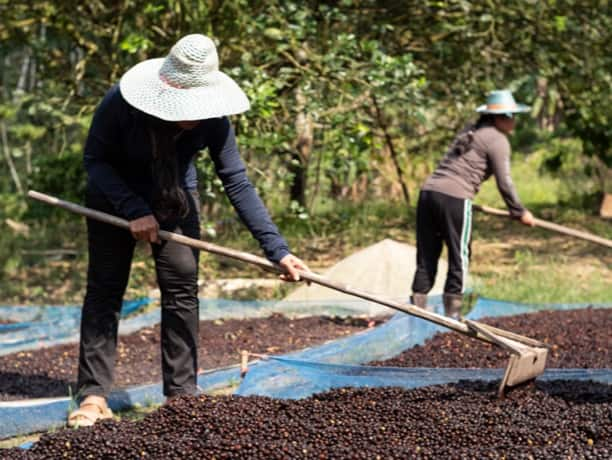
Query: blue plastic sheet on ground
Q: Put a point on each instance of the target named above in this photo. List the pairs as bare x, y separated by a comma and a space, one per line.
22, 417
36, 314
492, 307
225, 308
276, 378
55, 325
316, 377
47, 326
27, 416
306, 372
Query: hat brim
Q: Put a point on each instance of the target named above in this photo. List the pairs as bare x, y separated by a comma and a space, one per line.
142, 88
520, 108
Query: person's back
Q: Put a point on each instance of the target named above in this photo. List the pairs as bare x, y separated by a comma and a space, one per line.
460, 174
462, 171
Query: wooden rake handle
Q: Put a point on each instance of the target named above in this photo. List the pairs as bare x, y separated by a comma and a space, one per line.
551, 226
275, 268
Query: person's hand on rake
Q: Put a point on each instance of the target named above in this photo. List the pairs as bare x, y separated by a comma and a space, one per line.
292, 265
527, 219
145, 228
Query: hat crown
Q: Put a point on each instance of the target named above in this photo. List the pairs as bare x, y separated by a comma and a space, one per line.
191, 63
501, 98
185, 85
502, 101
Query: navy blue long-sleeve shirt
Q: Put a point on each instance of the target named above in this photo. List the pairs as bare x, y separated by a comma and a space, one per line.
118, 157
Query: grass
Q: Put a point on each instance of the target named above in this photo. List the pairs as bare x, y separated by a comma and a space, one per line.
539, 268
533, 265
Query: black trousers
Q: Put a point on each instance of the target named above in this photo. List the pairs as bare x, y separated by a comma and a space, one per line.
110, 258
442, 219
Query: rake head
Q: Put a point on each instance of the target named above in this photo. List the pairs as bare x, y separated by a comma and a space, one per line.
523, 367
526, 361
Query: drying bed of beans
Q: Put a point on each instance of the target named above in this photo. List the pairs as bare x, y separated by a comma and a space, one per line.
577, 339
552, 420
49, 372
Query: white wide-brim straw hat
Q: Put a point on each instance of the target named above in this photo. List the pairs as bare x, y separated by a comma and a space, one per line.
186, 85
502, 102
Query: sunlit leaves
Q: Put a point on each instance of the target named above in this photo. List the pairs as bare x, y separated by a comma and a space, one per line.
560, 23
134, 43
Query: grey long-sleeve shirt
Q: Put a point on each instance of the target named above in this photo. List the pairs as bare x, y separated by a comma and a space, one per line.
461, 175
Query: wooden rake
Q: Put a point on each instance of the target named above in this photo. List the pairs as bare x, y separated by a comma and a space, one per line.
528, 356
550, 226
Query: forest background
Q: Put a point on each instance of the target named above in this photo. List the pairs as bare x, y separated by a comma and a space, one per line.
353, 104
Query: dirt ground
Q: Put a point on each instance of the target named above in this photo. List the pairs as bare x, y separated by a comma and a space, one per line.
495, 250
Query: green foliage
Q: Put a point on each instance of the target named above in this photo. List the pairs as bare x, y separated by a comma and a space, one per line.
562, 156
314, 72
61, 175
313, 65
311, 70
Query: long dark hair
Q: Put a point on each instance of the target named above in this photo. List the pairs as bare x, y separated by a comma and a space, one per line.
463, 140
169, 198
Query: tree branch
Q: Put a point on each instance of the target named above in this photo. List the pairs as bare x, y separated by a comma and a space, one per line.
9, 159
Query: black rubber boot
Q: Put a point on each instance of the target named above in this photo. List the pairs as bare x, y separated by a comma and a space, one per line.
420, 300
452, 305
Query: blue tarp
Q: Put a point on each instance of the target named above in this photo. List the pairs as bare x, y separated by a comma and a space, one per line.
37, 327
309, 377
300, 374
22, 417
304, 373
33, 315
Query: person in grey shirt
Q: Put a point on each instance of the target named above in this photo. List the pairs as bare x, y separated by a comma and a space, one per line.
444, 211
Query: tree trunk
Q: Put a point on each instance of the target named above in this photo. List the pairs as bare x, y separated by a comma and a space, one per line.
303, 148
391, 147
297, 190
22, 82
550, 113
315, 190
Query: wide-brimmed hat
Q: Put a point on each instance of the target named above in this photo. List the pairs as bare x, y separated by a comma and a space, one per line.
502, 102
185, 85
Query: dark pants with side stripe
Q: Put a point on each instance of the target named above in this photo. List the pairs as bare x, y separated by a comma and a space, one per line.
110, 258
442, 219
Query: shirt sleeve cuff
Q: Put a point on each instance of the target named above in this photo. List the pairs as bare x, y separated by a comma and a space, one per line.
516, 213
277, 254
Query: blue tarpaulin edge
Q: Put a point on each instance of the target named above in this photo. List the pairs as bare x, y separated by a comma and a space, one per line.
321, 377
24, 417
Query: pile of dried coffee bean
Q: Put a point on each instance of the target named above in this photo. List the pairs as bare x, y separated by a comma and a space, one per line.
577, 339
553, 420
52, 371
